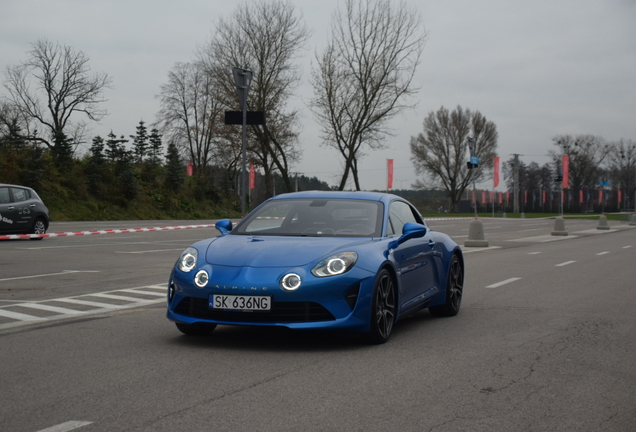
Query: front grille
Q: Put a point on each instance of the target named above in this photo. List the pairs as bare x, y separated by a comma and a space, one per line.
282, 312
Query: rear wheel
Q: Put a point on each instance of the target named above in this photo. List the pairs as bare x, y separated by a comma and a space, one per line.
39, 227
198, 329
454, 290
383, 309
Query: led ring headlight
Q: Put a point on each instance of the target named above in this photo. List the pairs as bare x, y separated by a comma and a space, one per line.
290, 282
201, 278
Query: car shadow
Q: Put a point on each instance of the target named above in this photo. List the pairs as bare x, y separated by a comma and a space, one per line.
255, 338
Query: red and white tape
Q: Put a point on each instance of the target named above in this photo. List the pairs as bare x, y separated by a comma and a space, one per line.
110, 231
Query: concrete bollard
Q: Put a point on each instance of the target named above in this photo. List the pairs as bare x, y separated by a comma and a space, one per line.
476, 235
633, 221
602, 223
559, 227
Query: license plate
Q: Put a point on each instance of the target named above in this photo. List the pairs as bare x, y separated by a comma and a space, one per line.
240, 302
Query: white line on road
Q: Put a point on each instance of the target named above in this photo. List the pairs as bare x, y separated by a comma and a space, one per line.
627, 247
138, 291
603, 253
117, 297
148, 251
18, 316
67, 426
564, 263
507, 281
534, 253
51, 308
64, 272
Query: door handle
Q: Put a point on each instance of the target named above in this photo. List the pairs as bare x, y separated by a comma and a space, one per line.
11, 208
431, 243
32, 205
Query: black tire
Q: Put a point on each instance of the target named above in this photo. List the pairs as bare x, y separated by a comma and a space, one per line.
198, 329
383, 309
454, 290
39, 227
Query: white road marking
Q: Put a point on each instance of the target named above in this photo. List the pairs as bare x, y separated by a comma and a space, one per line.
149, 251
118, 297
19, 316
466, 250
627, 247
507, 281
565, 263
63, 313
55, 309
157, 287
534, 253
64, 272
85, 303
603, 253
137, 291
67, 426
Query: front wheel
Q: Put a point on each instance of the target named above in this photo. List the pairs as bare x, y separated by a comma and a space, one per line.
198, 329
454, 290
39, 227
382, 309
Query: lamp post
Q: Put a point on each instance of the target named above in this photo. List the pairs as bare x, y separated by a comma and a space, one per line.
242, 79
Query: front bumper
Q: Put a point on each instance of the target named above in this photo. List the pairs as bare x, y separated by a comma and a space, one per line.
337, 302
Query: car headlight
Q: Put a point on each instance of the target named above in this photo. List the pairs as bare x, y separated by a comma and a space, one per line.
335, 264
201, 278
188, 260
290, 282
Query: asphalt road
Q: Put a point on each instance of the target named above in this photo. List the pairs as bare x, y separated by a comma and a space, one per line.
545, 341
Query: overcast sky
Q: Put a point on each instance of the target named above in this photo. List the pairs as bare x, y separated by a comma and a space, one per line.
535, 68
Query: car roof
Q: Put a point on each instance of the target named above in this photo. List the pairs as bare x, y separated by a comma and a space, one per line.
353, 195
12, 185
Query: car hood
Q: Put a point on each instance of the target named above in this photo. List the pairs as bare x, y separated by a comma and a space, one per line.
266, 251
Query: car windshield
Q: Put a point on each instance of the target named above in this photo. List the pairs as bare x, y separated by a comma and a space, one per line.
315, 217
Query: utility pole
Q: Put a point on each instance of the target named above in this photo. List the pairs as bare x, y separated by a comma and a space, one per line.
515, 187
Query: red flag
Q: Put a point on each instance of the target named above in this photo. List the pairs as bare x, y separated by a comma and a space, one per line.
525, 197
507, 197
389, 182
483, 197
252, 176
544, 196
189, 169
600, 196
565, 165
492, 200
496, 172
500, 197
620, 196
473, 197
581, 196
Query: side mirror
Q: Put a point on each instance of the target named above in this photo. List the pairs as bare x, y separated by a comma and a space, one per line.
224, 226
411, 230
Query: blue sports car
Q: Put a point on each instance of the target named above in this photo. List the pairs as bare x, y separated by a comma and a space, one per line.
318, 260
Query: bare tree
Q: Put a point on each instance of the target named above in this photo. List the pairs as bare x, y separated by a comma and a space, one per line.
622, 164
586, 152
364, 76
441, 152
264, 37
52, 86
191, 114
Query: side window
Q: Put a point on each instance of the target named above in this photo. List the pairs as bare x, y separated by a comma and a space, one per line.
4, 195
399, 214
20, 194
